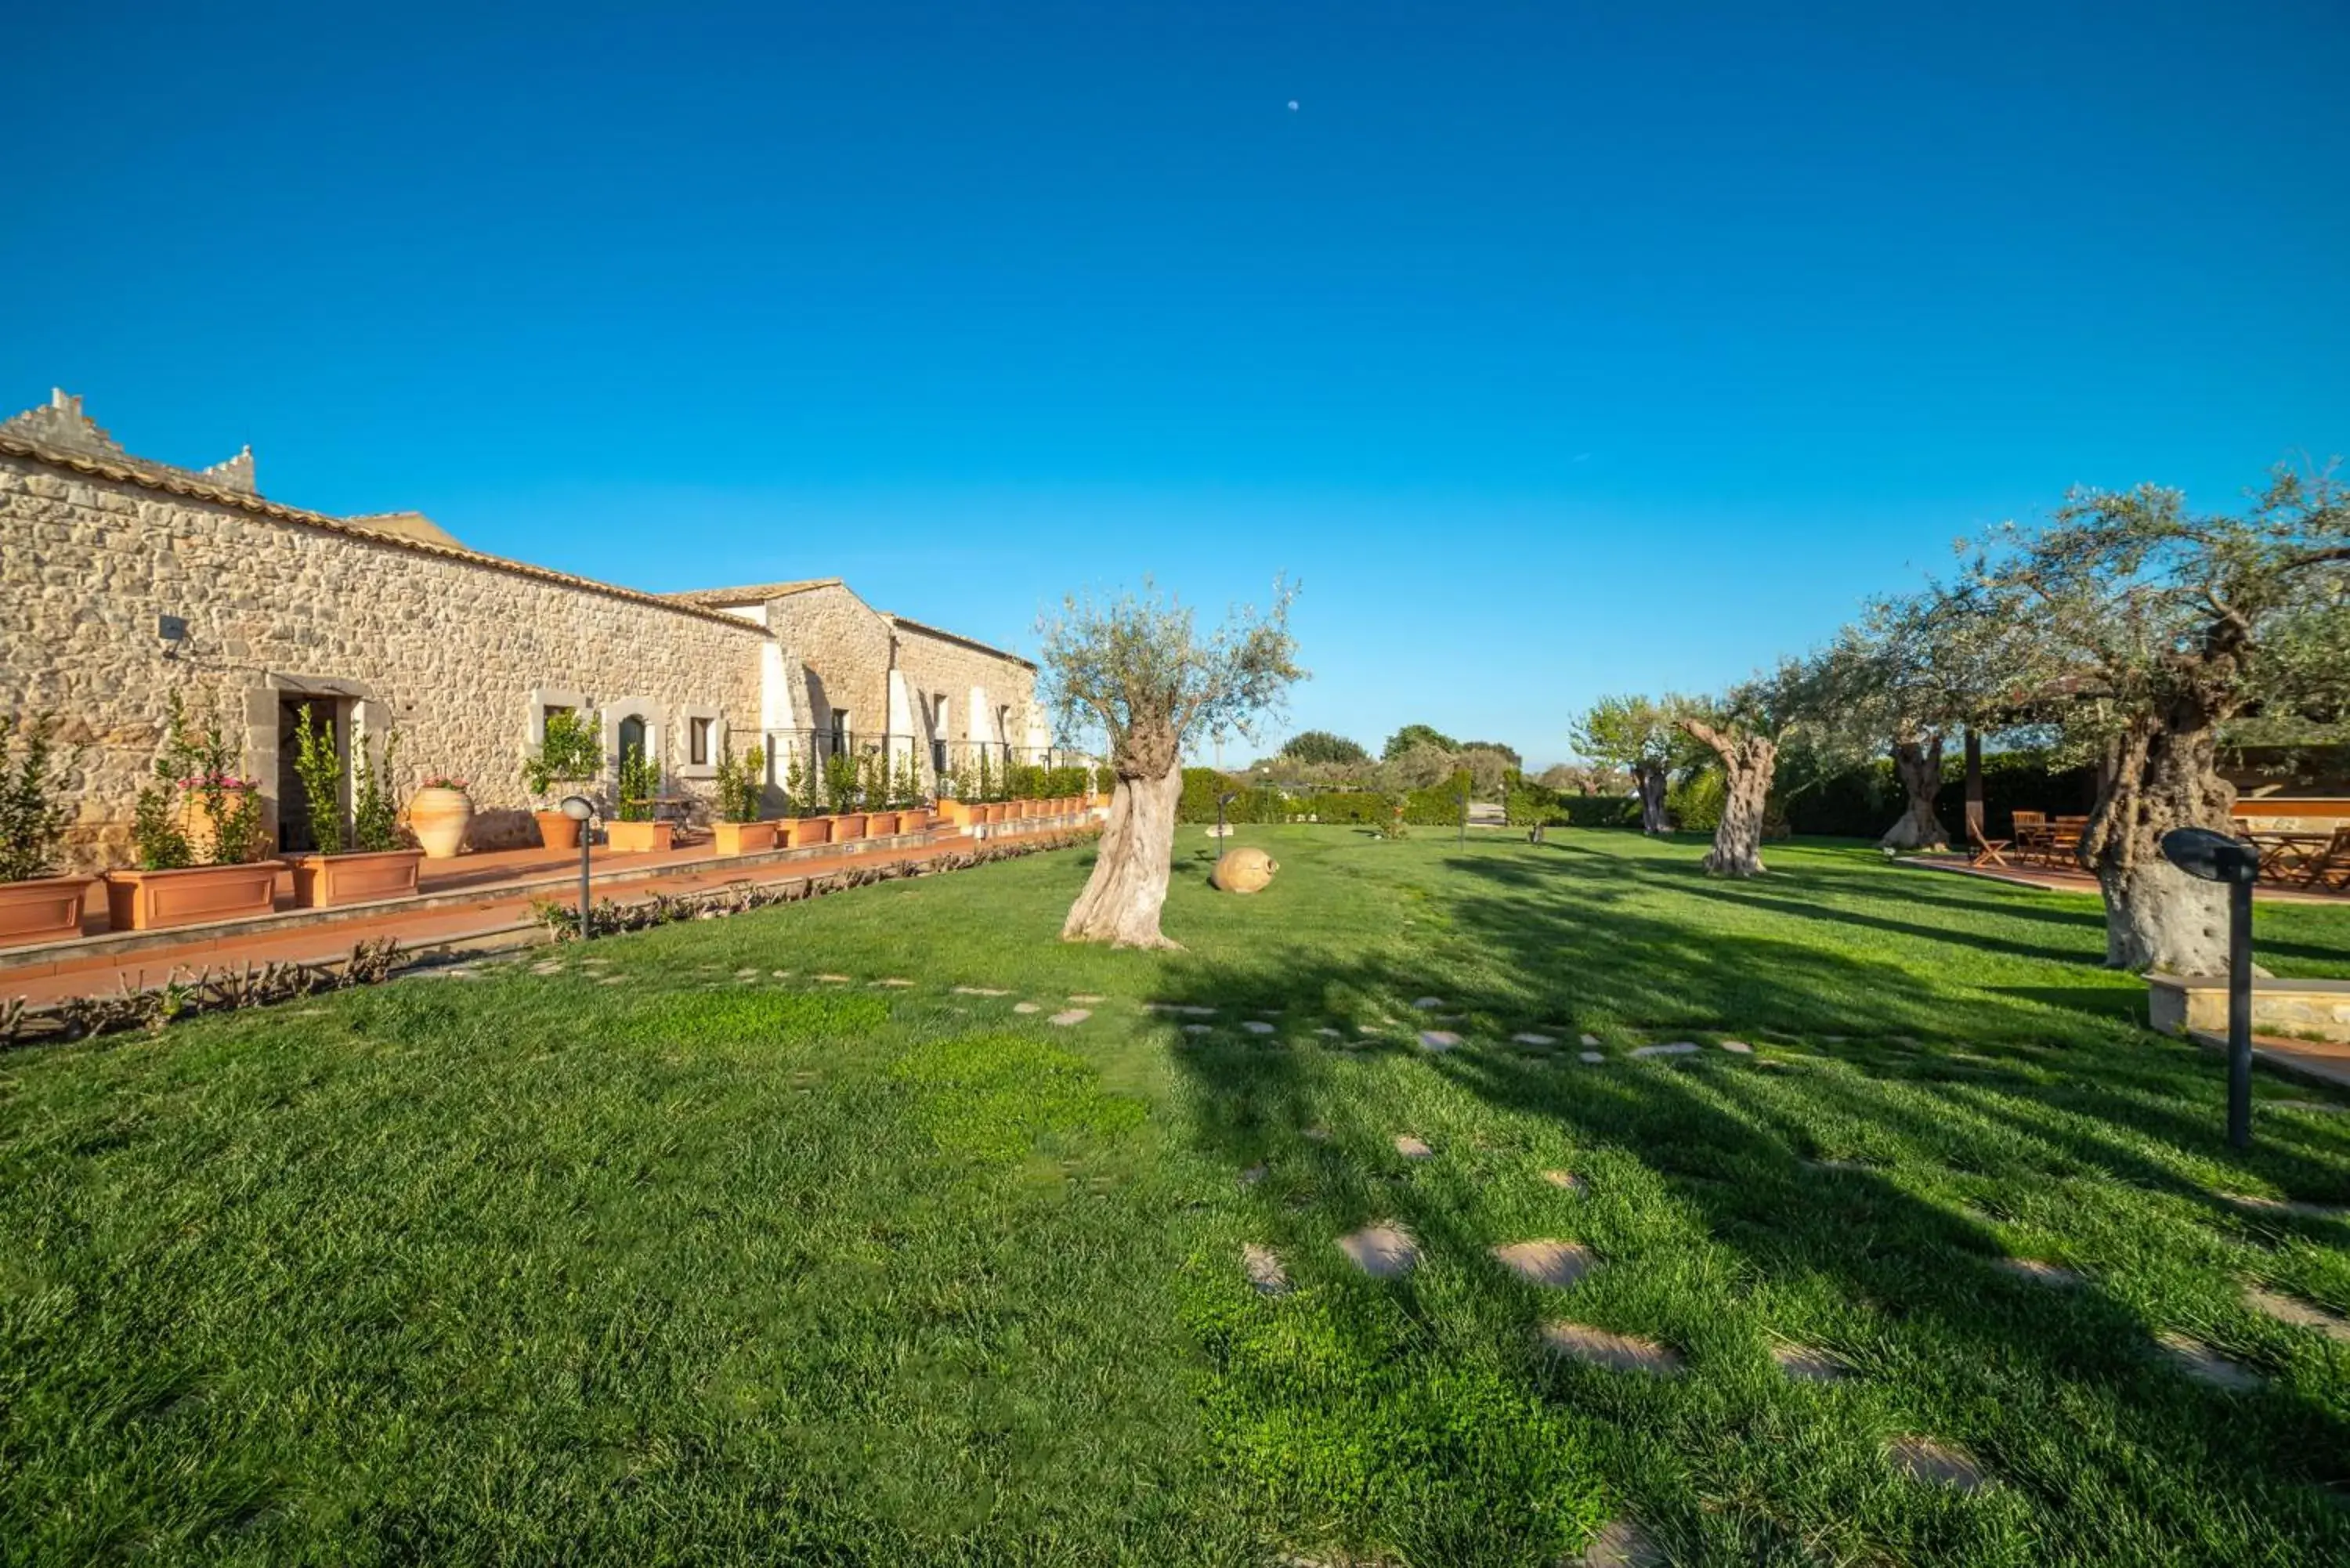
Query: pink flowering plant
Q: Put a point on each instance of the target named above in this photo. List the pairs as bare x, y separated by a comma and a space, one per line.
194, 775
443, 781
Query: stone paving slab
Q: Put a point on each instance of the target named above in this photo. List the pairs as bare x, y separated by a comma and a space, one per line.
1808, 1363
2297, 1312
1621, 1544
1411, 1147
1936, 1463
1673, 1048
1438, 1040
1615, 1351
1559, 1264
1069, 1017
1264, 1270
2039, 1271
1382, 1252
2205, 1364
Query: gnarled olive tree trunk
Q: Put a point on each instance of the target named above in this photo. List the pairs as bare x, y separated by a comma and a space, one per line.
1748, 762
1918, 766
1650, 778
2162, 773
1122, 898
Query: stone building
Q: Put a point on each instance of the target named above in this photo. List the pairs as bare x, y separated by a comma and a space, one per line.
123, 580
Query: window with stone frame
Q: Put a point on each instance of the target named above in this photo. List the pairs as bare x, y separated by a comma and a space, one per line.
697, 742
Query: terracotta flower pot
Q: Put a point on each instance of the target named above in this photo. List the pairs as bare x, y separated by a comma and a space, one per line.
880, 824
439, 818
744, 837
637, 838
847, 824
44, 909
555, 830
961, 813
998, 811
915, 821
323, 881
144, 900
799, 832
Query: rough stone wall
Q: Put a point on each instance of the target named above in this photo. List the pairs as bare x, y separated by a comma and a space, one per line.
844, 647
448, 650
933, 664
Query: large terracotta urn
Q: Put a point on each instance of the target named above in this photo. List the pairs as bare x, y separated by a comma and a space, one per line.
1244, 870
439, 817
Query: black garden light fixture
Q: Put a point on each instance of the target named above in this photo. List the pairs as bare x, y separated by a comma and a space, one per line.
581, 810
1223, 801
2216, 858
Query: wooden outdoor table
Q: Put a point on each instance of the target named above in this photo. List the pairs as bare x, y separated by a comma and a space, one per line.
2285, 854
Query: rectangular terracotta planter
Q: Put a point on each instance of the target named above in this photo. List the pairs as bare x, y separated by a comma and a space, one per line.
799, 832
918, 821
998, 811
44, 909
880, 824
961, 813
847, 824
146, 900
323, 881
637, 838
744, 837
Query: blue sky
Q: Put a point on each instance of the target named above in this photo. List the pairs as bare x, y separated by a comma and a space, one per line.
1557, 348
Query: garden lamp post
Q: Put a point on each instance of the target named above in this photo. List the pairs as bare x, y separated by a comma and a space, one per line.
2216, 858
1465, 787
581, 810
1223, 801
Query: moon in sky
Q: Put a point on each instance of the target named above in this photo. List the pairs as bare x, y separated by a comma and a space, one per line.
1293, 106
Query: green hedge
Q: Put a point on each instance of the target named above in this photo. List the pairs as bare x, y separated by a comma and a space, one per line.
1864, 802
1264, 803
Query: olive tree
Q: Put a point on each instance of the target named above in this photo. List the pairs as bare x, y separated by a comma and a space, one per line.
1905, 680
1135, 670
1639, 735
2139, 629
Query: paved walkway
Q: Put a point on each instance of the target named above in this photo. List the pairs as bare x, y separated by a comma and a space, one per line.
2057, 880
475, 903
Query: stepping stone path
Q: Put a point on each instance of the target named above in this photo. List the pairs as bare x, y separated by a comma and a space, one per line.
1328, 1034
1594, 1057
972, 990
1738, 1047
833, 979
1621, 1544
1438, 1040
1069, 1017
1587, 1041
1411, 1147
746, 975
893, 982
2039, 1271
552, 966
783, 974
1808, 1363
1086, 999
1317, 1135
2300, 1314
1546, 1262
1185, 1008
1264, 1270
612, 979
2205, 1364
1382, 1252
1530, 1038
1256, 1026
1428, 1004
1026, 1007
1199, 1029
1677, 1048
1940, 1464
1615, 1352
1253, 1175
1565, 1179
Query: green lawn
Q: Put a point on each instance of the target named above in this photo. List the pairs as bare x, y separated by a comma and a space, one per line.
645, 1261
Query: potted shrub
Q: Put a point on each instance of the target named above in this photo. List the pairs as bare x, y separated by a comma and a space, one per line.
912, 816
571, 754
881, 804
198, 832
803, 825
37, 904
439, 812
636, 831
840, 781
742, 790
375, 865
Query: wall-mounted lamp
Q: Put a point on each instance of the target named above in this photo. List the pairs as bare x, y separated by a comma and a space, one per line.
173, 631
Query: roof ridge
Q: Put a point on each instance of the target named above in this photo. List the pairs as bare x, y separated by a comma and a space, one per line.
180, 482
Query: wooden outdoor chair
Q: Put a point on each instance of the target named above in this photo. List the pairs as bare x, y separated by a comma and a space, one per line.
2030, 832
1986, 851
2330, 867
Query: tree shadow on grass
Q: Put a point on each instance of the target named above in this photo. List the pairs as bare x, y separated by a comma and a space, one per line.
1711, 1215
